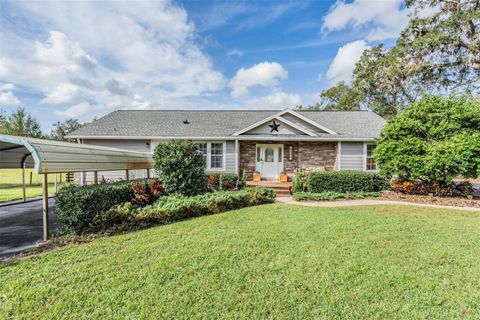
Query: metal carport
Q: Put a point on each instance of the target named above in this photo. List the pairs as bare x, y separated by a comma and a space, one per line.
47, 156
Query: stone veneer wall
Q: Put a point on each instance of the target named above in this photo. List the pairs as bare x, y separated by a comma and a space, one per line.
317, 156
310, 156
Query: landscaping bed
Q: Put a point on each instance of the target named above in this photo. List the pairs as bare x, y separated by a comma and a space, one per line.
444, 201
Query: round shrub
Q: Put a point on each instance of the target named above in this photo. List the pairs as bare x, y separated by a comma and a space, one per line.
434, 140
179, 165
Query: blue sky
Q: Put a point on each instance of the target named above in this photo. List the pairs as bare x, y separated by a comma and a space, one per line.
86, 59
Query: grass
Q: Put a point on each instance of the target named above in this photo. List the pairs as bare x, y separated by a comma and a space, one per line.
273, 261
11, 184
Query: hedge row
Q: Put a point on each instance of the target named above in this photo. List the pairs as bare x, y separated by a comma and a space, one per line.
329, 195
345, 181
172, 208
76, 206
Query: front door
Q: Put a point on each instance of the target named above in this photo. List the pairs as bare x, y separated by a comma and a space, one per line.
269, 160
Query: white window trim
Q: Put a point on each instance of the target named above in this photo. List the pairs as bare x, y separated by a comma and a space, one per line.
209, 156
365, 156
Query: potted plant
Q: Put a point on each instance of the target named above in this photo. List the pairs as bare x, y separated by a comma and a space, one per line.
283, 177
256, 176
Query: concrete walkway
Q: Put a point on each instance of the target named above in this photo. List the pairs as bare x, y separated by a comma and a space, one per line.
21, 226
364, 202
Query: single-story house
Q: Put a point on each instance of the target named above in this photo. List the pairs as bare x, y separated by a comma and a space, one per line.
267, 141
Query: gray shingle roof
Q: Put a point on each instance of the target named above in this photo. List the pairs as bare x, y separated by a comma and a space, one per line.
219, 123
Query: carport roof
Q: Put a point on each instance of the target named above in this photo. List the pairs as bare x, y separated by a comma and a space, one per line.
47, 156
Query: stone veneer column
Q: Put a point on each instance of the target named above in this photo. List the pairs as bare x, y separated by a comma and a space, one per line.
247, 157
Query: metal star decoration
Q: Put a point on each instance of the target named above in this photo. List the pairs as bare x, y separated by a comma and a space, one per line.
274, 126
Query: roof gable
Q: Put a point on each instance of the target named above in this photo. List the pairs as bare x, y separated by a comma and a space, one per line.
295, 124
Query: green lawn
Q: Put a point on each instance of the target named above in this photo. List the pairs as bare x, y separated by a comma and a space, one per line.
274, 261
11, 184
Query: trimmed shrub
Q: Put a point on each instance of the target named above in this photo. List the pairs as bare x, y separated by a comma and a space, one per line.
76, 206
179, 165
345, 181
176, 207
228, 181
329, 195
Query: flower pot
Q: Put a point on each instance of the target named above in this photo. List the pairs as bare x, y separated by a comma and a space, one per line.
256, 177
283, 177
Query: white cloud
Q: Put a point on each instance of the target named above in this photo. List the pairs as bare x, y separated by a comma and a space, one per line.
7, 87
234, 53
277, 99
6, 95
111, 54
8, 98
342, 66
63, 93
75, 111
385, 18
265, 74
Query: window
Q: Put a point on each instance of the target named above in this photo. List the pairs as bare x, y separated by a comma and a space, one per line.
371, 165
259, 157
269, 154
204, 150
216, 159
280, 156
213, 155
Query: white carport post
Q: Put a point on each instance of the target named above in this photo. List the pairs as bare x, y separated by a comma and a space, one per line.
46, 231
24, 191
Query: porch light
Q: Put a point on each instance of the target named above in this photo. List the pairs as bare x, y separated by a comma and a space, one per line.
290, 153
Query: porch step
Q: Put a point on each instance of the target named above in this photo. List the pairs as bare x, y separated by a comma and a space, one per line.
282, 189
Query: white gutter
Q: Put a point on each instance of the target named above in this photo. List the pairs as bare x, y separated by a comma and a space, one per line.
250, 138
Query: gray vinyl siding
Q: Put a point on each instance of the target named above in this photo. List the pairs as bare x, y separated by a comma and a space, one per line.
351, 156
282, 129
297, 121
134, 145
230, 157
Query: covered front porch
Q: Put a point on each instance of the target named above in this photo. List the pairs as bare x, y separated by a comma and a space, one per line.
271, 158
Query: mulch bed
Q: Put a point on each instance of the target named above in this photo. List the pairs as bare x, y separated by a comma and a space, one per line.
443, 201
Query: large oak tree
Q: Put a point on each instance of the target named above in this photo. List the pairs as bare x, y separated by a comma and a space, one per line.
439, 52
